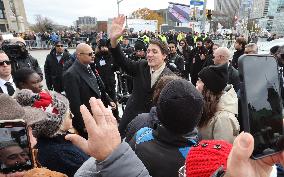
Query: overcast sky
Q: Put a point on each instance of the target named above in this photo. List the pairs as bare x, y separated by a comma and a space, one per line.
65, 12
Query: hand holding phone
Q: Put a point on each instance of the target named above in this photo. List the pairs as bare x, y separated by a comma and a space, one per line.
261, 103
15, 150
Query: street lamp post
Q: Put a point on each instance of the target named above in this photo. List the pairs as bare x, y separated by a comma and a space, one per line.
118, 2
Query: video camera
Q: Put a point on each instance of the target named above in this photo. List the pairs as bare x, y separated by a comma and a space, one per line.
15, 51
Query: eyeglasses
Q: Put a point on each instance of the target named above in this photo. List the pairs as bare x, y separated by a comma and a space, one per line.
89, 54
181, 43
59, 45
6, 61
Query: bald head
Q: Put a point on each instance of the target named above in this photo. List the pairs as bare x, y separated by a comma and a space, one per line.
221, 55
84, 53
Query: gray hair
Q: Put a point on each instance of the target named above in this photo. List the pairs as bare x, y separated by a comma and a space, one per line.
253, 47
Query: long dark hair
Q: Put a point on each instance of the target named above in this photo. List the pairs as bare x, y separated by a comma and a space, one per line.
211, 101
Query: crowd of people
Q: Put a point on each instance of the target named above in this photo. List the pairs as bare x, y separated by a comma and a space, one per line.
181, 117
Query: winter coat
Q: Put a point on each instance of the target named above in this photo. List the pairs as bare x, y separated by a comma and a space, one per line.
122, 162
106, 68
140, 99
53, 70
142, 120
224, 124
26, 61
162, 152
197, 63
60, 155
236, 57
234, 78
175, 63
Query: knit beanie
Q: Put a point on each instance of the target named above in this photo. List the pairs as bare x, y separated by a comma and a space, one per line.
11, 110
214, 77
140, 45
206, 157
179, 106
54, 105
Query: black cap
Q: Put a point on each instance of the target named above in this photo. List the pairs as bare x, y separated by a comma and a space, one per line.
180, 106
215, 78
140, 45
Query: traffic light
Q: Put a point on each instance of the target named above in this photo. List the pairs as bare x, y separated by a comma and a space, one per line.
209, 14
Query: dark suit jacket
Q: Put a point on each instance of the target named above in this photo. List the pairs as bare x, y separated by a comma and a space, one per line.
141, 99
234, 77
79, 86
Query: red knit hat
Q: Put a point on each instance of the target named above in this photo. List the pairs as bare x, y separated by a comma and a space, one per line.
44, 101
206, 157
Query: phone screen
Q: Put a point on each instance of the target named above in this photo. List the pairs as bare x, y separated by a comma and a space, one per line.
15, 152
264, 104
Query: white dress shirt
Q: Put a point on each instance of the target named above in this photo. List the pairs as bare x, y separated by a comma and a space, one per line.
3, 86
156, 74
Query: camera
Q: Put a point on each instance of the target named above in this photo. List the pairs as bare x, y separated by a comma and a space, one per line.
15, 51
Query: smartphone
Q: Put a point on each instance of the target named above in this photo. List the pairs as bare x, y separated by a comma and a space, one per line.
15, 148
261, 103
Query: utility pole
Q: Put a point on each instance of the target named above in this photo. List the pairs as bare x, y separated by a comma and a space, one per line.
118, 2
202, 27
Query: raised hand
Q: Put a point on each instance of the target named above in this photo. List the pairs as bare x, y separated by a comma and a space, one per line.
116, 30
240, 163
103, 135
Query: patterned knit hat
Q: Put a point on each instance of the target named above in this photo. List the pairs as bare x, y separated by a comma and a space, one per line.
206, 157
11, 110
54, 105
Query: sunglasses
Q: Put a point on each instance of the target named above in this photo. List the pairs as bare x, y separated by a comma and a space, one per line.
181, 43
6, 61
59, 45
89, 54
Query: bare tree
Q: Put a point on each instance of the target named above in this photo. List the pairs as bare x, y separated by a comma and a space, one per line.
42, 24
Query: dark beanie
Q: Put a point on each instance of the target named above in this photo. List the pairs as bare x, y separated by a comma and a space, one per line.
102, 43
179, 106
140, 45
274, 49
58, 42
214, 77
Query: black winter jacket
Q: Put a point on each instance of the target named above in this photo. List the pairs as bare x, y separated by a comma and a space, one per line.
26, 62
176, 64
197, 63
60, 155
162, 152
236, 57
53, 70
